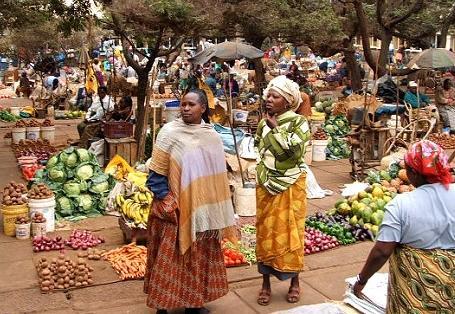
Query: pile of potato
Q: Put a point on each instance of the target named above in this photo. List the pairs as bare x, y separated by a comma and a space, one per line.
22, 220
40, 191
63, 273
13, 194
92, 254
38, 218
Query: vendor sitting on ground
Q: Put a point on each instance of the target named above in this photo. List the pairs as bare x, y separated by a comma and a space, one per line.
123, 110
100, 108
416, 100
25, 86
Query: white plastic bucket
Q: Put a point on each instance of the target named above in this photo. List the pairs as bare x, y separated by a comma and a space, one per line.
47, 208
38, 229
171, 110
33, 133
23, 231
15, 111
245, 201
240, 115
319, 147
308, 154
18, 134
48, 133
315, 124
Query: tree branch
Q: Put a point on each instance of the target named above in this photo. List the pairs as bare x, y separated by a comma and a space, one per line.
171, 50
416, 8
118, 30
363, 27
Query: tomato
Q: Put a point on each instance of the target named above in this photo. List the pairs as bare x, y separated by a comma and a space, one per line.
238, 262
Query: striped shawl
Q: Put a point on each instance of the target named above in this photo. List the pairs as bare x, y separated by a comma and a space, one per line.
191, 156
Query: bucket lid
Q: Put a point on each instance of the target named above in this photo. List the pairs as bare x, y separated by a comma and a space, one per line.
172, 103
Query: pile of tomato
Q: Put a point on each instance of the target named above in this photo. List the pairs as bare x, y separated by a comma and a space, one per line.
233, 258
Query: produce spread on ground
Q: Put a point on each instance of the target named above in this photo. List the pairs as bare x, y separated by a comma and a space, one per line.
74, 186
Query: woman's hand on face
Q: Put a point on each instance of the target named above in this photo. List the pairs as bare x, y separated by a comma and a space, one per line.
271, 121
358, 289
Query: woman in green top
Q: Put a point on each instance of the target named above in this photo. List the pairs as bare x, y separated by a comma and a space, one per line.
281, 193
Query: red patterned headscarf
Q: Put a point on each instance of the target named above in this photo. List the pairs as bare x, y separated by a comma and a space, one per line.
429, 160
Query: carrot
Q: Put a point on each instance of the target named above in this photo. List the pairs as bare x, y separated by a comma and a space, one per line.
129, 261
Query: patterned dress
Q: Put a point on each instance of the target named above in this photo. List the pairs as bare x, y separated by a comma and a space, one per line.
173, 280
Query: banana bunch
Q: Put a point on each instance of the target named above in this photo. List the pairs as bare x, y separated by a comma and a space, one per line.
136, 206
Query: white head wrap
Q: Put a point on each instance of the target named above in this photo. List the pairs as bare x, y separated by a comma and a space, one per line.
287, 88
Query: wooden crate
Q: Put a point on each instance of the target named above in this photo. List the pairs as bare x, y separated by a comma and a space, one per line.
125, 147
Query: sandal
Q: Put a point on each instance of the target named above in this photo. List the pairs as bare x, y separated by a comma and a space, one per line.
264, 297
293, 295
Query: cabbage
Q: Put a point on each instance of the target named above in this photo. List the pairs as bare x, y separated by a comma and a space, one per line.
83, 185
100, 187
57, 173
52, 161
71, 161
72, 188
84, 171
85, 202
64, 206
102, 203
100, 184
84, 155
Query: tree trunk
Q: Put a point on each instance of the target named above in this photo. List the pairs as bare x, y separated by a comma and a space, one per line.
259, 76
259, 71
353, 69
383, 60
141, 118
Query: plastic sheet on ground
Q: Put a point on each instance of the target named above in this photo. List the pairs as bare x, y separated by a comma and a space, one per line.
353, 188
312, 187
374, 298
323, 308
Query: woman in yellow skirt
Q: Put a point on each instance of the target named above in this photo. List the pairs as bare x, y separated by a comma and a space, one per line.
281, 193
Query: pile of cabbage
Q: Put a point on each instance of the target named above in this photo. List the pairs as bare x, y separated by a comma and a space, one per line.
337, 127
80, 186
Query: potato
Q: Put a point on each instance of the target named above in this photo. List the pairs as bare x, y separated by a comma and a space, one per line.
46, 283
78, 284
45, 289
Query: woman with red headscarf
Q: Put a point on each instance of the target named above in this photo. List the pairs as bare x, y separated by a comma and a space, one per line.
417, 236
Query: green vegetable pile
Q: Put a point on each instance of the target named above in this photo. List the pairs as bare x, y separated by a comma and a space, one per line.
329, 226
80, 186
337, 127
325, 106
8, 117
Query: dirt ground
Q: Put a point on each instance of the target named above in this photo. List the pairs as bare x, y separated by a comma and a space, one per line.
322, 280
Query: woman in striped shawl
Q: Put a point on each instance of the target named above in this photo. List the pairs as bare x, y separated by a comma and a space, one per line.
281, 194
191, 209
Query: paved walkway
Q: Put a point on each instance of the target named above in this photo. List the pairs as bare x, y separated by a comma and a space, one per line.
323, 278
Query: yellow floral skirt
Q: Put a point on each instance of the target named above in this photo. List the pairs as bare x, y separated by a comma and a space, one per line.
280, 224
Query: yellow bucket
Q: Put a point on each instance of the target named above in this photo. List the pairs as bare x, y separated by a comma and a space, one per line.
10, 213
